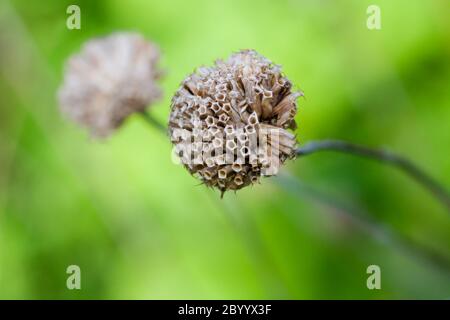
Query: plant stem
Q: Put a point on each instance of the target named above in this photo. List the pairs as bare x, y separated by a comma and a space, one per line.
364, 221
383, 156
153, 122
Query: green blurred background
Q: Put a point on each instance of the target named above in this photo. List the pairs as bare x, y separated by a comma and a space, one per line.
140, 227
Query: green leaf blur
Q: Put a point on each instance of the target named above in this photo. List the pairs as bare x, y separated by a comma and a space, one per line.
140, 227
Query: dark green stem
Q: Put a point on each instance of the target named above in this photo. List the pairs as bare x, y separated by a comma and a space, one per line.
365, 222
384, 156
153, 122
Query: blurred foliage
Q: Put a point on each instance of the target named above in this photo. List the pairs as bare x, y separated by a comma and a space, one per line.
140, 227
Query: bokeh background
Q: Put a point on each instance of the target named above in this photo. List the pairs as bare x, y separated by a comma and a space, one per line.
140, 227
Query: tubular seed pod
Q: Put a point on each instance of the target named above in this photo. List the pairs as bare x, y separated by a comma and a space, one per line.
244, 95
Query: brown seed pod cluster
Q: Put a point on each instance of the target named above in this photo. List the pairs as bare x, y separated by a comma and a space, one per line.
111, 78
229, 122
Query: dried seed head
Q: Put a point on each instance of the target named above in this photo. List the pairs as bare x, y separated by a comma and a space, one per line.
234, 101
111, 78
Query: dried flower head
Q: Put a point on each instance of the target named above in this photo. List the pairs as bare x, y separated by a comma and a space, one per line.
110, 79
229, 122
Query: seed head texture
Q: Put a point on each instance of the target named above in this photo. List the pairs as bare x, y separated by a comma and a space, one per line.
111, 78
222, 108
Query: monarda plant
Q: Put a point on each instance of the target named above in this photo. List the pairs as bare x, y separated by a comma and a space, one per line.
230, 123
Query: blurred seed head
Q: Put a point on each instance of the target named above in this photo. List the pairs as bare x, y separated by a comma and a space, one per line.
226, 105
111, 78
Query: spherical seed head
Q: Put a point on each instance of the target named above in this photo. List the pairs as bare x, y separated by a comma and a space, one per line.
110, 78
238, 101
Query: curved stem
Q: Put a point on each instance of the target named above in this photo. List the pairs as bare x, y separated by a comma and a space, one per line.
365, 222
383, 156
